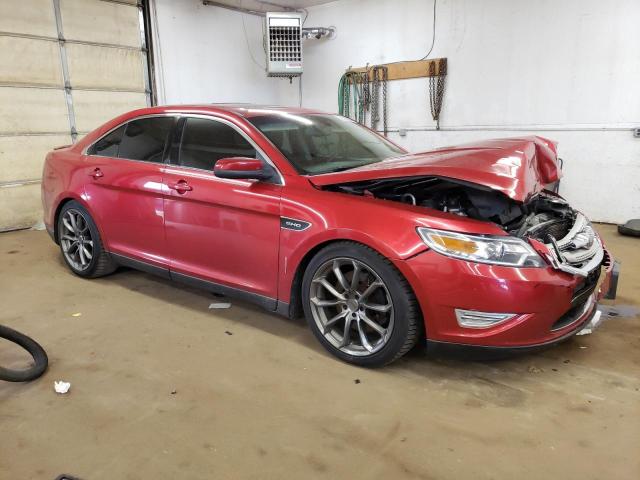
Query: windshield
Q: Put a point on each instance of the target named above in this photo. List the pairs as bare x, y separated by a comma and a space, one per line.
316, 144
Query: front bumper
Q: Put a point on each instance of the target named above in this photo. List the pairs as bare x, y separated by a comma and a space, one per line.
551, 305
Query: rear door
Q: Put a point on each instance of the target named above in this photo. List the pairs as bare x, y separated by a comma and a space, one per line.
220, 230
125, 188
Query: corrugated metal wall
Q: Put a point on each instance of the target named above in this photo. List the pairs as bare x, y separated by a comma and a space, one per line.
66, 66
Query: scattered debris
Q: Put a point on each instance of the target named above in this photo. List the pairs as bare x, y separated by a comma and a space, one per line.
228, 332
61, 386
356, 381
78, 314
220, 305
39, 226
592, 325
534, 369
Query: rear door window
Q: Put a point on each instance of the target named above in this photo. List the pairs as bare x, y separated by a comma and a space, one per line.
204, 142
145, 139
108, 145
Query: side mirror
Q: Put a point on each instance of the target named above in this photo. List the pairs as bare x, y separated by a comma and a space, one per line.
242, 168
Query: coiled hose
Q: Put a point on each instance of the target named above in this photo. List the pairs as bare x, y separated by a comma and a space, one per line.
40, 358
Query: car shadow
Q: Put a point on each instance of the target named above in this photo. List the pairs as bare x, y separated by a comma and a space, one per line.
419, 361
198, 301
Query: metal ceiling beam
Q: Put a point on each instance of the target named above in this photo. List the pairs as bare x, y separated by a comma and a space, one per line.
249, 11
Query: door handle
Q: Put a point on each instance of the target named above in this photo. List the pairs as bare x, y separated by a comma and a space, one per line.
181, 187
96, 173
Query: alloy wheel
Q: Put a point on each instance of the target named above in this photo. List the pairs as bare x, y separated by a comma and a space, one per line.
76, 239
351, 306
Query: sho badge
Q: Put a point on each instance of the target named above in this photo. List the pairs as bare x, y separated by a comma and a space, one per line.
293, 224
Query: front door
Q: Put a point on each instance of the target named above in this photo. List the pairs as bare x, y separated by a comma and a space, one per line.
125, 188
220, 230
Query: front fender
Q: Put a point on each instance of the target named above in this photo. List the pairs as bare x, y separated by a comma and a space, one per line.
385, 226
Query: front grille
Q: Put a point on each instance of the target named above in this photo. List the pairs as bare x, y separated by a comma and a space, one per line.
579, 251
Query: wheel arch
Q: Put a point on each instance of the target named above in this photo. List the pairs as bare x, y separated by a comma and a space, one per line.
65, 200
295, 289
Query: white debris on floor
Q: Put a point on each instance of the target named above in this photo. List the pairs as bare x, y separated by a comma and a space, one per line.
219, 305
61, 387
592, 325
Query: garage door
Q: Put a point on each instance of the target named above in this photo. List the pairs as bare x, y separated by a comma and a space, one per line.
66, 66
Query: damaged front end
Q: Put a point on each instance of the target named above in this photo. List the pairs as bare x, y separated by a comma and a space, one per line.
560, 233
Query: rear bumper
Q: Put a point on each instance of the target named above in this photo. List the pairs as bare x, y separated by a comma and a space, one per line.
549, 305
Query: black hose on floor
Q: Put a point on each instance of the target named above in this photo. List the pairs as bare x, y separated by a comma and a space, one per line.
34, 349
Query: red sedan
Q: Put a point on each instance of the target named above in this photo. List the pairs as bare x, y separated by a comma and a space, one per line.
307, 212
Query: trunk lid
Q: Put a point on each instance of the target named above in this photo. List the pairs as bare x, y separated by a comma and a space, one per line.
517, 167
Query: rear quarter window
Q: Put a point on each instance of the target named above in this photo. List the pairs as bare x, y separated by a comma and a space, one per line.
108, 145
145, 139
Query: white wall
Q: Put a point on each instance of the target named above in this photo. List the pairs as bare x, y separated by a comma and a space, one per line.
204, 56
568, 70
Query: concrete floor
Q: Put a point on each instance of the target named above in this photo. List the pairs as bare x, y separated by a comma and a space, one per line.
163, 387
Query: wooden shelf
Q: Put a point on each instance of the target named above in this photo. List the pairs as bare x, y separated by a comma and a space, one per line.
409, 69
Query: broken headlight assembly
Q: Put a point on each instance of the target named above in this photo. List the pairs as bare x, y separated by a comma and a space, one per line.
492, 249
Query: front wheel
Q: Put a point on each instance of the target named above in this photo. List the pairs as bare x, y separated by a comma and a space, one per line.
359, 306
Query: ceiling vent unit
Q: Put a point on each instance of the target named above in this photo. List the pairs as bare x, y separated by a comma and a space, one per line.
283, 44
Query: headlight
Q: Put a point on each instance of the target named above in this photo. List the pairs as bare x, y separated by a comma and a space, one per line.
497, 250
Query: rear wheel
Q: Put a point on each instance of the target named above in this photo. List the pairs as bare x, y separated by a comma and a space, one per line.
80, 243
359, 306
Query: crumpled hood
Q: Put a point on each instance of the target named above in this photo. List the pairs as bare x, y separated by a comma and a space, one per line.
517, 167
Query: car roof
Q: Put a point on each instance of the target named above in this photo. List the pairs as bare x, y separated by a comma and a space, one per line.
246, 110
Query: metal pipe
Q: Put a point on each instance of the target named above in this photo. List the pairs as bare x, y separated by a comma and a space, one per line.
515, 128
318, 32
210, 3
249, 11
122, 2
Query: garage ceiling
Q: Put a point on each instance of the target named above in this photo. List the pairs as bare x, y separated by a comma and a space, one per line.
269, 5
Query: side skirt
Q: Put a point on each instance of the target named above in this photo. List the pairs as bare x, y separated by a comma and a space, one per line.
140, 265
267, 303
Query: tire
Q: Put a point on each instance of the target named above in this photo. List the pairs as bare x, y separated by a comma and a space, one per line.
80, 239
379, 295
34, 349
